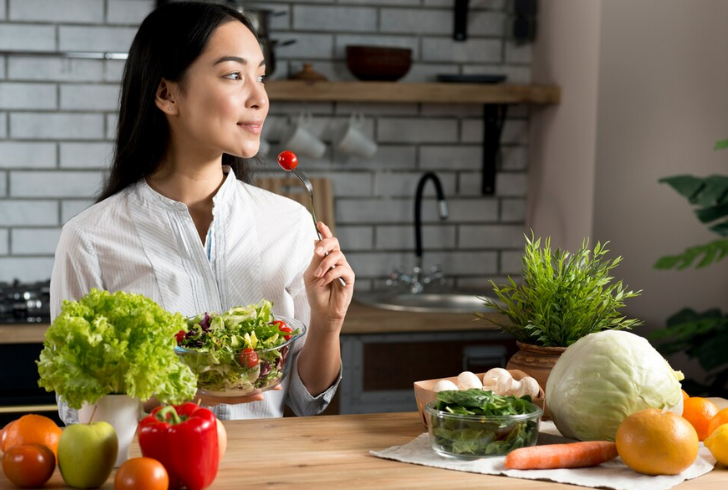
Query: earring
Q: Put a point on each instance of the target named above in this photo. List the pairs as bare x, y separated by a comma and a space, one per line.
169, 109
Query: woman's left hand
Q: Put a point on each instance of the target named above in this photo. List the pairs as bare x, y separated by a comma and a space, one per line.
328, 299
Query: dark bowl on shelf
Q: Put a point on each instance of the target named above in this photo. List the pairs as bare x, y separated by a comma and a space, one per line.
376, 63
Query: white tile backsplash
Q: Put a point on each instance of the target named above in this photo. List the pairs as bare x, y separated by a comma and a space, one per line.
15, 154
28, 212
4, 241
59, 116
332, 18
38, 96
43, 184
86, 155
45, 68
107, 38
128, 11
34, 241
89, 97
76, 11
60, 126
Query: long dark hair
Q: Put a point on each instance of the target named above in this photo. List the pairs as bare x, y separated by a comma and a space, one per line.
169, 40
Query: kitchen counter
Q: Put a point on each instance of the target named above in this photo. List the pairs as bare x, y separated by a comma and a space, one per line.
333, 452
360, 319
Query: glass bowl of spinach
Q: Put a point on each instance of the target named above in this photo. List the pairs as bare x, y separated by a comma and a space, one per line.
475, 423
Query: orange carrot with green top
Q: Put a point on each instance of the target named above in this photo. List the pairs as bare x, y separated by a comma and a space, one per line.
572, 455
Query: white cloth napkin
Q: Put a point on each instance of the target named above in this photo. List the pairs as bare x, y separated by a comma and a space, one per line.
613, 474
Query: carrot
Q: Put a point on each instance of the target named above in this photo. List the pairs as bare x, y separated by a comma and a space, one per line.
572, 455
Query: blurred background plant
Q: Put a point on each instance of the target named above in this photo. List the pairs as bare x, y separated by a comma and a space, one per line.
702, 336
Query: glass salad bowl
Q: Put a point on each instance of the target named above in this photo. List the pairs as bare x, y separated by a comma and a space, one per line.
480, 436
231, 362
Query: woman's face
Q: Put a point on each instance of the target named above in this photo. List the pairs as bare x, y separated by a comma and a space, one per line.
223, 103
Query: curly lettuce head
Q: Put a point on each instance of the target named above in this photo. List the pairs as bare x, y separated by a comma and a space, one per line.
114, 343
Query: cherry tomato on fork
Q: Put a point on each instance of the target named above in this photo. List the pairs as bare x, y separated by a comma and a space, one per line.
287, 160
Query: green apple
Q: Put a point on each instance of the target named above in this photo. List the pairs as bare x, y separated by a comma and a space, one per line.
87, 453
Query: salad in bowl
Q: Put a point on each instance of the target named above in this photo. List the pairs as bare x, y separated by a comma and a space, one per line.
240, 352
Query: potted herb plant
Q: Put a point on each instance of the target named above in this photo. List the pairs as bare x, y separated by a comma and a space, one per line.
562, 297
106, 353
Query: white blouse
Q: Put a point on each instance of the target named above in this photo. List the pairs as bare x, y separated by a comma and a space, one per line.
138, 241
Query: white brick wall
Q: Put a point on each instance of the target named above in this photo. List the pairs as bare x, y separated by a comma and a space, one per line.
59, 126
59, 117
54, 184
4, 237
128, 11
28, 96
34, 241
16, 212
54, 68
89, 97
76, 11
86, 155
28, 269
27, 155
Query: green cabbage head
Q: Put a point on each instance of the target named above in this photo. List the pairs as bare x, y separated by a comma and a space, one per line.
604, 377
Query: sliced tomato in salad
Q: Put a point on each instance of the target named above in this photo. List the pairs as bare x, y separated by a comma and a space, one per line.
248, 358
180, 336
285, 329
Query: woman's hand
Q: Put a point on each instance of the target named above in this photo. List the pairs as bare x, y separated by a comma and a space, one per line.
328, 299
212, 401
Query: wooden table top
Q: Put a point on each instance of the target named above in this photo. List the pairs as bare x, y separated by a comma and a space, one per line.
333, 452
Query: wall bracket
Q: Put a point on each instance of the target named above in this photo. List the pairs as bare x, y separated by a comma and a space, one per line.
494, 116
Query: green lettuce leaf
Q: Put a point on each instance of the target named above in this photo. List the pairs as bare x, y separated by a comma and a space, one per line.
114, 343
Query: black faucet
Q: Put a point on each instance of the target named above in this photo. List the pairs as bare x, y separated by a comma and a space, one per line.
418, 211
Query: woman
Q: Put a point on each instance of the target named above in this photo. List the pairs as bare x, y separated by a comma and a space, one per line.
174, 224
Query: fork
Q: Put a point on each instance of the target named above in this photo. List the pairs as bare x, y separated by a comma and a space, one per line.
291, 167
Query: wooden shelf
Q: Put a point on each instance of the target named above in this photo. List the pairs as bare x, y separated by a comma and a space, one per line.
444, 93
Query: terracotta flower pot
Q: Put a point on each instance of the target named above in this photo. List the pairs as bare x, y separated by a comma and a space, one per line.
536, 361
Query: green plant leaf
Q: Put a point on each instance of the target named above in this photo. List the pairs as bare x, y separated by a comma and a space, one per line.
712, 213
720, 228
712, 252
686, 185
564, 296
721, 145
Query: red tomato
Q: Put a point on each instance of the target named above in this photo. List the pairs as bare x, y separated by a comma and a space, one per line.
141, 474
180, 336
248, 358
29, 465
287, 160
283, 328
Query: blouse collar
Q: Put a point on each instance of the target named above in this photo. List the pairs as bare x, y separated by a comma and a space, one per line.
223, 195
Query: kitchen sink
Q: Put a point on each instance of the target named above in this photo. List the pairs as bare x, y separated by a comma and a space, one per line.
426, 302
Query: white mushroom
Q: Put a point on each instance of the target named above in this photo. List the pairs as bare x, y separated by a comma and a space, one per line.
444, 385
526, 386
467, 380
498, 380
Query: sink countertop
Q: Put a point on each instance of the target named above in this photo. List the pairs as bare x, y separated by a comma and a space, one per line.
361, 319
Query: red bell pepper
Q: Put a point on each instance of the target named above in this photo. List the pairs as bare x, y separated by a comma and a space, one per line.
184, 439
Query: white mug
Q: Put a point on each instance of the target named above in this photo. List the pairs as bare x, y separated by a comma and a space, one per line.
299, 139
351, 138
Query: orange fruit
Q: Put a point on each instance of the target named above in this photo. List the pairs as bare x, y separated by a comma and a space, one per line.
719, 419
4, 435
685, 395
657, 442
33, 429
699, 412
